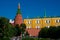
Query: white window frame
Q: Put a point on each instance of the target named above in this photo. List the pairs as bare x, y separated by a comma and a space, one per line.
37, 21
47, 21
48, 26
28, 27
37, 27
57, 21
29, 22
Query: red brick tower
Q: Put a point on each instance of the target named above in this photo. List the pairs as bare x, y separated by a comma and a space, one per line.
18, 18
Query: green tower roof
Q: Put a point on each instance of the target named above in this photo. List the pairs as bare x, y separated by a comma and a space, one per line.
18, 11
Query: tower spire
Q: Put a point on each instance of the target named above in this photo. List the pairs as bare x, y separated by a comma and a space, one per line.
18, 5
44, 13
18, 11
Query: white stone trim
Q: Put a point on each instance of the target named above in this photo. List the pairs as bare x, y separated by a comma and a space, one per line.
11, 21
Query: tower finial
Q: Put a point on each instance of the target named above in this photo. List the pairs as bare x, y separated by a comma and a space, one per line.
44, 13
18, 5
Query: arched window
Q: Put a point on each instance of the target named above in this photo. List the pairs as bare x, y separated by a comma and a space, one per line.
47, 21
57, 21
29, 22
37, 21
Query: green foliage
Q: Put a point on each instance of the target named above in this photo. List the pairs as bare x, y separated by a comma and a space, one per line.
52, 32
58, 32
6, 38
17, 30
35, 38
23, 27
27, 38
43, 33
6, 29
3, 22
27, 33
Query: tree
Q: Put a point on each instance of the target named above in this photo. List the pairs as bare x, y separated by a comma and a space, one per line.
27, 34
58, 32
43, 33
9, 31
23, 27
52, 32
17, 30
6, 29
3, 21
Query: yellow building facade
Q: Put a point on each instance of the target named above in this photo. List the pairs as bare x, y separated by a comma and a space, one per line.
42, 22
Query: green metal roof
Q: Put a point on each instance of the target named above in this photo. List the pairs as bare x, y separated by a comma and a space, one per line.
18, 11
44, 17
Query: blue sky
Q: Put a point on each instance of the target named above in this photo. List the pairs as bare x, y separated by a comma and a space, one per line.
30, 8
